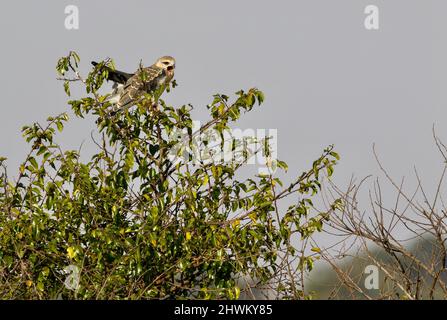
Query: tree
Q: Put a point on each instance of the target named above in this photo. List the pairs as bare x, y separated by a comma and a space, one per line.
140, 220
405, 239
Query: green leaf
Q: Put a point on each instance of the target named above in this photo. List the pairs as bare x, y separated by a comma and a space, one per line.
60, 126
33, 162
67, 88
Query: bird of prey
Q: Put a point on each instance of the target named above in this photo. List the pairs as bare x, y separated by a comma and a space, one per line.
128, 87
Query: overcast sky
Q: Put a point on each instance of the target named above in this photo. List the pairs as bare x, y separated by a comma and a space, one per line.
327, 79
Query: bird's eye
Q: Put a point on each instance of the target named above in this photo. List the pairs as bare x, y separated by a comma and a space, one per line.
166, 62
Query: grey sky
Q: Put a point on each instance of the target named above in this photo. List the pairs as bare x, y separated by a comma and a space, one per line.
326, 79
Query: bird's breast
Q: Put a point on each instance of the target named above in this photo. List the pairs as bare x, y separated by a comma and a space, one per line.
161, 80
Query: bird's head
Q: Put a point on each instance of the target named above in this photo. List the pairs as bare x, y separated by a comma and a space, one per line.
167, 63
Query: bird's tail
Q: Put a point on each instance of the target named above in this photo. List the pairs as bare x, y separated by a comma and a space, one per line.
115, 95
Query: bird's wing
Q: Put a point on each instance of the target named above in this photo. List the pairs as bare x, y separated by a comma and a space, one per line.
144, 80
116, 75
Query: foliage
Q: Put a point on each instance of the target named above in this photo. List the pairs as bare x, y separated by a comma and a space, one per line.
139, 225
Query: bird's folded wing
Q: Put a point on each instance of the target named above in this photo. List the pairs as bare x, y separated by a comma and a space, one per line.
144, 80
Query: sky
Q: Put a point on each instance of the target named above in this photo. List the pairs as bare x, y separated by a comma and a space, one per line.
326, 78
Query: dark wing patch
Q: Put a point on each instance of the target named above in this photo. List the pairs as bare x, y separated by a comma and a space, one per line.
116, 75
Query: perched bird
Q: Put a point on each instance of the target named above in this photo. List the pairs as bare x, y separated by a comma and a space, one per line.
128, 87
